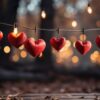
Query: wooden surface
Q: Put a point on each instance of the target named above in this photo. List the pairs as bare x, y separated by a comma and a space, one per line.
67, 96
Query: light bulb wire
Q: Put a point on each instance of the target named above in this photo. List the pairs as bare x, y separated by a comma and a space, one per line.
53, 29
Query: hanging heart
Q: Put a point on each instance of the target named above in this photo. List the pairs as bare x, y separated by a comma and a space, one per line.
17, 39
57, 43
83, 46
35, 48
98, 41
1, 35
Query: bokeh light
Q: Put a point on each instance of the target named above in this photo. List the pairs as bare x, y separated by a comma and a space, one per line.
75, 59
74, 44
74, 23
89, 10
15, 58
7, 49
43, 14
82, 37
94, 56
21, 47
23, 54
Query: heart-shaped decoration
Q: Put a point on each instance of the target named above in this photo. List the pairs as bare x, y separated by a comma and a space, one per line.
98, 41
58, 43
83, 46
35, 48
17, 39
1, 35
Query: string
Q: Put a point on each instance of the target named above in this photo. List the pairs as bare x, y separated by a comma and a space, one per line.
54, 29
83, 34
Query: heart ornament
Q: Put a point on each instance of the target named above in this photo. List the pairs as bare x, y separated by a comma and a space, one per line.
35, 48
83, 46
58, 43
17, 39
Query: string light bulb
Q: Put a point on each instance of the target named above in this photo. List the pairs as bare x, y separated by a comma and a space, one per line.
74, 23
43, 14
15, 31
89, 9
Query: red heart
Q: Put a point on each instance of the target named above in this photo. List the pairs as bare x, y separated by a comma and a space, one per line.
35, 48
98, 41
83, 46
57, 43
17, 39
1, 35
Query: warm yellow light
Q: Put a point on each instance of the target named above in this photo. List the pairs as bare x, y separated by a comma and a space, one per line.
7, 49
43, 14
96, 52
23, 54
15, 30
66, 46
74, 23
15, 58
75, 59
93, 59
74, 44
21, 47
82, 37
98, 59
95, 56
89, 10
68, 43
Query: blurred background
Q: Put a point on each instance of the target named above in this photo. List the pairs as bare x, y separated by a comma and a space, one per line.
68, 65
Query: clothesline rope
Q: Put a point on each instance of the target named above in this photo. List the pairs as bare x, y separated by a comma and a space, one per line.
53, 29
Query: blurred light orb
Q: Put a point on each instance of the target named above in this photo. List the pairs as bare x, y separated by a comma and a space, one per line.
89, 10
43, 14
23, 54
15, 58
75, 59
96, 52
21, 47
68, 43
93, 59
74, 23
83, 37
7, 49
95, 56
74, 44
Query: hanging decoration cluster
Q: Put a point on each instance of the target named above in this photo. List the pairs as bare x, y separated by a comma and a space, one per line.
37, 47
